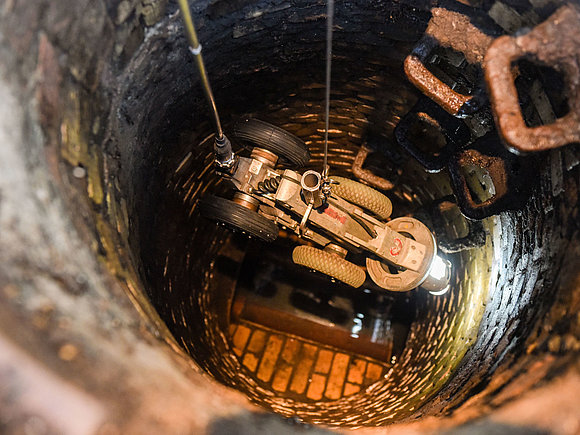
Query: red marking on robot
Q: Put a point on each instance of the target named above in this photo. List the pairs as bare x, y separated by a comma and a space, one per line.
396, 249
335, 215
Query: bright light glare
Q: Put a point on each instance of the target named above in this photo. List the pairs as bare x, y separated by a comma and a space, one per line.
438, 268
440, 292
439, 271
356, 328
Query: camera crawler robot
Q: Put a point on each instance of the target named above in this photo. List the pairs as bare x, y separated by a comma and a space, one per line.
337, 215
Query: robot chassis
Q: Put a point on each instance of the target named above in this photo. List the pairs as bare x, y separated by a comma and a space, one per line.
341, 216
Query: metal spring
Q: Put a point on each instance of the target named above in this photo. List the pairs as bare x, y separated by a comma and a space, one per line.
269, 185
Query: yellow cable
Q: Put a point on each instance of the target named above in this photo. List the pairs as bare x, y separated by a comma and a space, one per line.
196, 51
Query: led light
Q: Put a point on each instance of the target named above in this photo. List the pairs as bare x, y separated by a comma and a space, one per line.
438, 268
437, 282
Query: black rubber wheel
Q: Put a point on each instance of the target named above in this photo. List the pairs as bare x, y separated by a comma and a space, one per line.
285, 145
238, 217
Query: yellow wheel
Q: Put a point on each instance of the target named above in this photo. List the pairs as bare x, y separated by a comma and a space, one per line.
329, 264
363, 196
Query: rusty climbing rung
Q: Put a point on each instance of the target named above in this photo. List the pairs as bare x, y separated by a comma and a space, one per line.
509, 178
452, 129
366, 175
452, 30
555, 42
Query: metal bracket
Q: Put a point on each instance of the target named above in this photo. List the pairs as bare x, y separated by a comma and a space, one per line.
304, 221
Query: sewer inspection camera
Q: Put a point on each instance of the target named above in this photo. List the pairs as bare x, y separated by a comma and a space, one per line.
339, 215
138, 314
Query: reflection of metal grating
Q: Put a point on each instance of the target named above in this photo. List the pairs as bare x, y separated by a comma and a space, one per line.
275, 293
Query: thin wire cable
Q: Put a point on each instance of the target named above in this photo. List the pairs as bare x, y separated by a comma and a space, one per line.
329, 26
195, 48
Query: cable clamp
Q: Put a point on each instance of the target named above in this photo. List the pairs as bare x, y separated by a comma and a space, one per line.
195, 51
